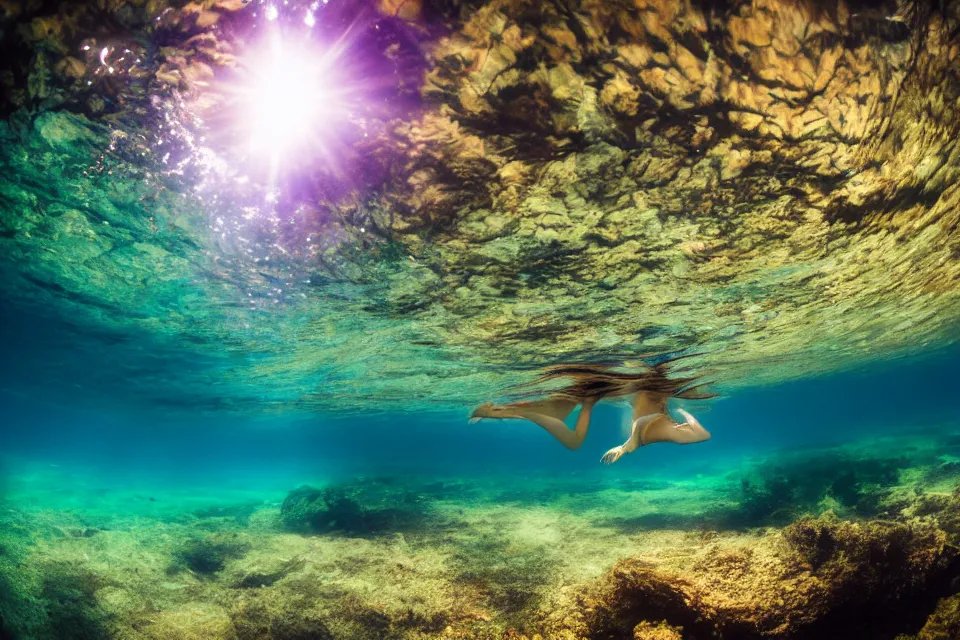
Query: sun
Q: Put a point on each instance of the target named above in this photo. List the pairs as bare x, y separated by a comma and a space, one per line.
290, 101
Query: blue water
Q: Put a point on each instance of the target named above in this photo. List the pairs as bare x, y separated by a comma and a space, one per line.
114, 498
888, 398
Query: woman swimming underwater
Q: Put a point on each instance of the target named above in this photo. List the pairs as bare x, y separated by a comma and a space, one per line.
648, 393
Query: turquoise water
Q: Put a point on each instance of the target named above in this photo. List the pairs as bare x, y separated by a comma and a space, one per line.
160, 452
887, 399
124, 501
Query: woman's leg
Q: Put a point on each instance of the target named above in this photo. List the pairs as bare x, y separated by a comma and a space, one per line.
664, 429
571, 439
558, 408
548, 414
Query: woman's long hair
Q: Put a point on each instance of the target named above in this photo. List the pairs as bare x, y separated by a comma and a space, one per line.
601, 381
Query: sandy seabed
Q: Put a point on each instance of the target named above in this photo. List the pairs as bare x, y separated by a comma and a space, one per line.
858, 541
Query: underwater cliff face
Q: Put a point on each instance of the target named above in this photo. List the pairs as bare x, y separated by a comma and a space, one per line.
771, 185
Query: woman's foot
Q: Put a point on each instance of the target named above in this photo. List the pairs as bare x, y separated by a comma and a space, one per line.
490, 410
483, 411
612, 455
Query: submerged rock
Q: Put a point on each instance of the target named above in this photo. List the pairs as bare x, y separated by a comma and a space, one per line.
266, 572
309, 509
943, 624
359, 509
822, 578
777, 491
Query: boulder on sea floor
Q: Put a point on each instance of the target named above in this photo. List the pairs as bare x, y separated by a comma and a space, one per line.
361, 508
777, 491
821, 577
307, 509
